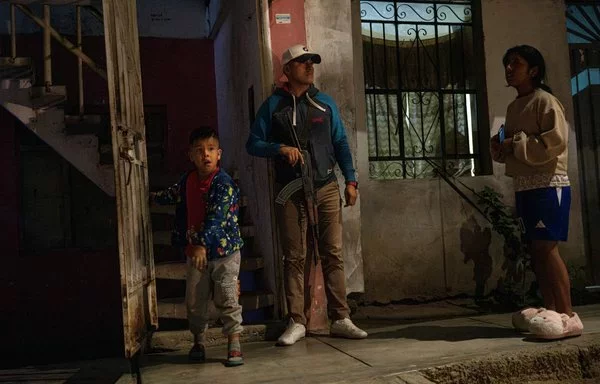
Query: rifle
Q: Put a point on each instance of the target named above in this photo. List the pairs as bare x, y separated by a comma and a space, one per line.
305, 181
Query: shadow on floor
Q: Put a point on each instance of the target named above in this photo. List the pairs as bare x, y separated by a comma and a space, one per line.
174, 359
108, 371
434, 332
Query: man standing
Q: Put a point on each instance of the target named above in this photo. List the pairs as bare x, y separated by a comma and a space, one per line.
298, 119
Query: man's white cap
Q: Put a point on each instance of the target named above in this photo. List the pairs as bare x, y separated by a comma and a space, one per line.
296, 51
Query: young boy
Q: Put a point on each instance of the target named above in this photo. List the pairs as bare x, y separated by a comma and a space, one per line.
207, 228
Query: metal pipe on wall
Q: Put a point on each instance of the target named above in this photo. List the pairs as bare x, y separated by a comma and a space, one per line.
79, 60
13, 32
47, 48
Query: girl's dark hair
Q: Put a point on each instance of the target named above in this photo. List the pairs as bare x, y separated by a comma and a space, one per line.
203, 133
534, 58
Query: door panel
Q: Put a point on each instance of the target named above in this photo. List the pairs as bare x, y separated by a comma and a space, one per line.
138, 285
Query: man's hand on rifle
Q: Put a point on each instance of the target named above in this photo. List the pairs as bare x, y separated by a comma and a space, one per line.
351, 193
291, 154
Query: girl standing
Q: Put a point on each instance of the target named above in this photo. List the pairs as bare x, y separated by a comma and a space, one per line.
533, 145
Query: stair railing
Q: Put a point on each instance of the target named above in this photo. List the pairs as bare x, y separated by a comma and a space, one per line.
48, 33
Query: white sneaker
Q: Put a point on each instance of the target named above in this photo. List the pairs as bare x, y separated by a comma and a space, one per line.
346, 328
293, 333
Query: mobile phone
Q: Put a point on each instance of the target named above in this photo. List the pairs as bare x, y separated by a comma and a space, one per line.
501, 134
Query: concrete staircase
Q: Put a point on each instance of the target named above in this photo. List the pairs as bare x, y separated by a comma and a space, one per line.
41, 109
85, 142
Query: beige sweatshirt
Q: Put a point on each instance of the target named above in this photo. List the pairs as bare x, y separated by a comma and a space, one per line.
537, 124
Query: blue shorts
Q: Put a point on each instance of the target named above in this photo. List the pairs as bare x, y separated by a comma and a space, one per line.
544, 213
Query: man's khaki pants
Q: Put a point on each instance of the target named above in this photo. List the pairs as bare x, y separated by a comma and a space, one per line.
295, 237
219, 282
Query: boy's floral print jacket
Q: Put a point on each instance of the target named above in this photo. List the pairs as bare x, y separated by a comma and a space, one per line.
221, 232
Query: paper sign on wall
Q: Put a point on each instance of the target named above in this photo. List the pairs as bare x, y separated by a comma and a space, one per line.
283, 18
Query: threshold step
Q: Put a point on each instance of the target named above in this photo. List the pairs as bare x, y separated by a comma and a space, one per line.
174, 308
176, 270
182, 340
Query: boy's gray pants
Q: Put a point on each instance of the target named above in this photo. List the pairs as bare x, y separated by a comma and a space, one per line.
219, 282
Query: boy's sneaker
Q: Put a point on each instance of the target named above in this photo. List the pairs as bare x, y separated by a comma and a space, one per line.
197, 354
234, 354
346, 328
293, 333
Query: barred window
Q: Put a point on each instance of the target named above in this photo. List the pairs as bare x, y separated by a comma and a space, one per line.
423, 88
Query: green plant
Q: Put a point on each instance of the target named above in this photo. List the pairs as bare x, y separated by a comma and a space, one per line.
506, 225
503, 222
500, 216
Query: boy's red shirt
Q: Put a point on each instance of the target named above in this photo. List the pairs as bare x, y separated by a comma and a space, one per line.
196, 192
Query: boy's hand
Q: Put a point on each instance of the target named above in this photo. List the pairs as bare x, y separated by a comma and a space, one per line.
291, 154
197, 255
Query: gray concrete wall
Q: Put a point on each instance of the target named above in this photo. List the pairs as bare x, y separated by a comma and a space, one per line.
238, 67
411, 244
329, 32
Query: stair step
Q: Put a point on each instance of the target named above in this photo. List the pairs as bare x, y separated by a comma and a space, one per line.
247, 230
170, 209
183, 339
9, 62
174, 308
176, 270
48, 97
164, 237
18, 68
161, 237
163, 209
11, 83
94, 124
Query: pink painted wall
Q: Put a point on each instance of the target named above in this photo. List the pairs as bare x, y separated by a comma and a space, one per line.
285, 35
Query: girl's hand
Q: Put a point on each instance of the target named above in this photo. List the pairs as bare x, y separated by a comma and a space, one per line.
496, 148
507, 146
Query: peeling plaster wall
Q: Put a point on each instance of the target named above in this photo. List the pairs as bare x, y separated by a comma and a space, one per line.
329, 32
238, 67
411, 229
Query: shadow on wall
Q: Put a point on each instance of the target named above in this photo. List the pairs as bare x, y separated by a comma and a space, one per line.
474, 244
